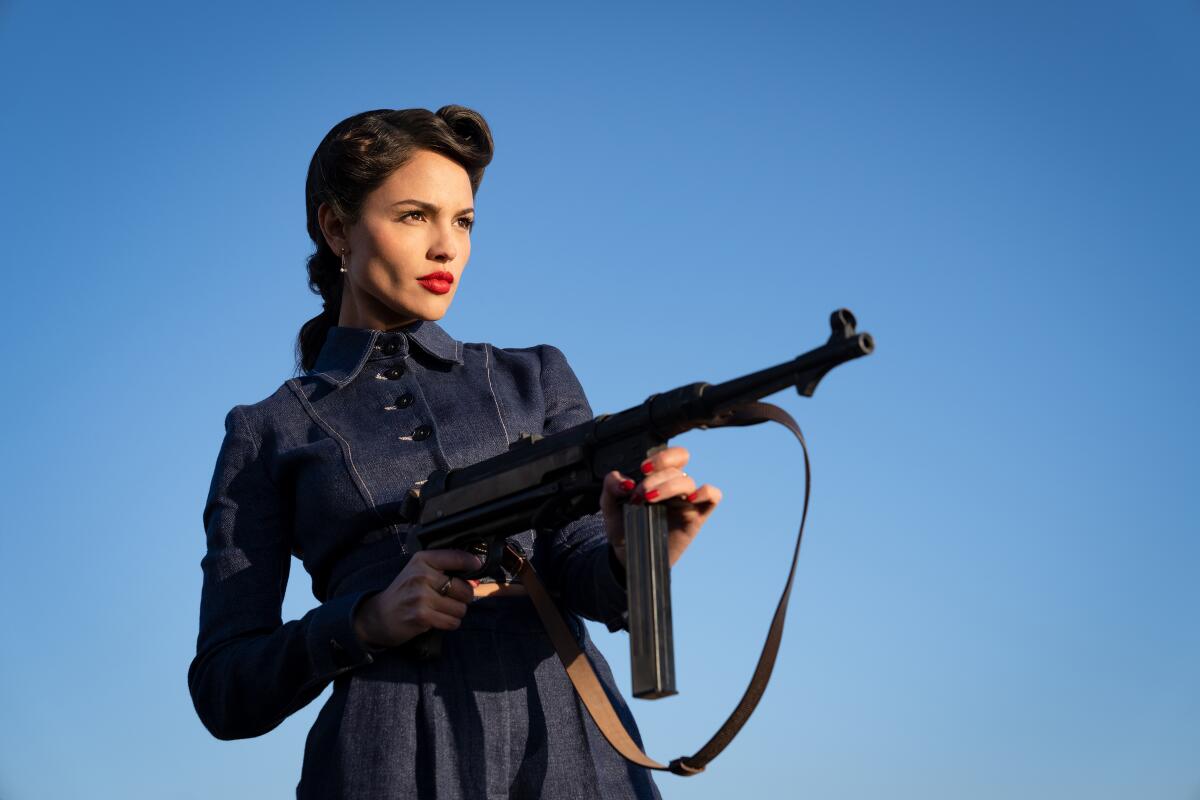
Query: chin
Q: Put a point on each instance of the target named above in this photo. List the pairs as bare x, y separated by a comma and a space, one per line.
427, 308
431, 312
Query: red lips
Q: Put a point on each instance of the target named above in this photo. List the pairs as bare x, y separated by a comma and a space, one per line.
437, 282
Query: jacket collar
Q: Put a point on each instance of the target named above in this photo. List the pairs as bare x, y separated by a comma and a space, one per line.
347, 350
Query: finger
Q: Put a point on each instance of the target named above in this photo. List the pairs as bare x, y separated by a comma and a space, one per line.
422, 572
705, 499
440, 583
443, 622
448, 606
460, 590
676, 457
451, 561
616, 489
661, 476
665, 485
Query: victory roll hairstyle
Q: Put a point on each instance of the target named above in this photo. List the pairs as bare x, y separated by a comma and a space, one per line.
353, 159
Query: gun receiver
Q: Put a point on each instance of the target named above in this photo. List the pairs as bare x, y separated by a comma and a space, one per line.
546, 482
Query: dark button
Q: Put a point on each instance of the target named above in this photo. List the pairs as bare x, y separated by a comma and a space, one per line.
393, 373
404, 400
422, 433
389, 348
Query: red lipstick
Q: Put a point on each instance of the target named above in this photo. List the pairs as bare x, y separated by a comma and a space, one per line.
437, 282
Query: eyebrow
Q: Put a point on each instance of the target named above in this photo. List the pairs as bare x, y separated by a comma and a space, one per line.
430, 207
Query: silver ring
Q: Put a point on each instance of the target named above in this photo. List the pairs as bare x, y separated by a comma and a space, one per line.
446, 586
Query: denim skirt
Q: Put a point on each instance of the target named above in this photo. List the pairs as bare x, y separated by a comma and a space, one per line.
494, 716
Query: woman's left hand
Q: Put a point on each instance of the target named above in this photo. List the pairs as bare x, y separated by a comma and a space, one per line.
663, 481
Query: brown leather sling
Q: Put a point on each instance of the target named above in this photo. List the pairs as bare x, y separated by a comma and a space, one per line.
583, 677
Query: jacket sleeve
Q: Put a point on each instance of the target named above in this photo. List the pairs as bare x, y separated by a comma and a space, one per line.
577, 562
251, 669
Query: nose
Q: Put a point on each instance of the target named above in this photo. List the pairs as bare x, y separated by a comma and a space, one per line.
443, 249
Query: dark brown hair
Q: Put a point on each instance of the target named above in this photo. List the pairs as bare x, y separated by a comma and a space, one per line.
353, 159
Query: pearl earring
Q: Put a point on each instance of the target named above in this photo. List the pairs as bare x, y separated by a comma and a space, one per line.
343, 259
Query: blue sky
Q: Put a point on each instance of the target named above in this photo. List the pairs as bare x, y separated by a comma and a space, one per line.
998, 591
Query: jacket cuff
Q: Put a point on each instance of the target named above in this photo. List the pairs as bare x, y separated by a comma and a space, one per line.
610, 590
616, 567
332, 642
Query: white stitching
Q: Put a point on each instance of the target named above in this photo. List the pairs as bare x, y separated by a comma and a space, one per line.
360, 484
487, 365
366, 353
239, 422
351, 374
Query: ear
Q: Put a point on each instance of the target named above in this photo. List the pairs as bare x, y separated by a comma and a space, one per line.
336, 235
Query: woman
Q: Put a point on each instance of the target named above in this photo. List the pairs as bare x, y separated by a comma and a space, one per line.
386, 397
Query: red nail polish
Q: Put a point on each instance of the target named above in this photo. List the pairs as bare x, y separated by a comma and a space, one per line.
473, 582
647, 468
692, 497
650, 495
627, 485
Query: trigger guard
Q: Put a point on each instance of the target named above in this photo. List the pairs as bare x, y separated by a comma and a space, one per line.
490, 552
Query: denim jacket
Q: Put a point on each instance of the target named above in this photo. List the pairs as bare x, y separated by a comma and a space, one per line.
297, 472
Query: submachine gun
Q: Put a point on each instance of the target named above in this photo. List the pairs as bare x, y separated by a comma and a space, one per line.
545, 482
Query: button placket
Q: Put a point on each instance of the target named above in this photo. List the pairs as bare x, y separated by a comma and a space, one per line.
387, 344
403, 401
405, 398
421, 432
390, 374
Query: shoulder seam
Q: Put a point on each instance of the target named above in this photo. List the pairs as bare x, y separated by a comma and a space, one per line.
487, 366
356, 478
239, 421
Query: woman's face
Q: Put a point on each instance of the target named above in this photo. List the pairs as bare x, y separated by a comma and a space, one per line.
407, 251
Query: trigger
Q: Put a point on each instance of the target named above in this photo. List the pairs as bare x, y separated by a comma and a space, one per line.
489, 552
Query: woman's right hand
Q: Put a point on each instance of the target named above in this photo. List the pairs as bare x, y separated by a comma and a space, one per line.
412, 604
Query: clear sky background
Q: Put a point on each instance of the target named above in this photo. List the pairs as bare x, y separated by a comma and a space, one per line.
998, 592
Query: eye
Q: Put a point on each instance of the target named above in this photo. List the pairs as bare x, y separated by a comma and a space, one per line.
413, 214
466, 222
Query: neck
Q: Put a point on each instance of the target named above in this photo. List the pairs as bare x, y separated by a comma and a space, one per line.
363, 311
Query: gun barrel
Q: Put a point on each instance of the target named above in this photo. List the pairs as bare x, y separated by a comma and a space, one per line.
803, 373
